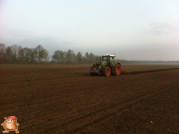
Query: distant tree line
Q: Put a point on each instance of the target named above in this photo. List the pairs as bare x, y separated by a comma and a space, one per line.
23, 55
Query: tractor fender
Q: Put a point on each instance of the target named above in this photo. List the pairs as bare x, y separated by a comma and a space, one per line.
118, 63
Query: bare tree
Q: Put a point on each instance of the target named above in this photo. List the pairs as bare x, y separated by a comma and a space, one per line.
14, 49
79, 57
27, 54
56, 56
2, 52
39, 48
21, 56
42, 54
8, 56
70, 56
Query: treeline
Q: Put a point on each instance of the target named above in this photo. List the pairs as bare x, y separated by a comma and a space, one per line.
23, 55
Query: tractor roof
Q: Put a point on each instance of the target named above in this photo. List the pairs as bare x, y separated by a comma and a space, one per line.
112, 55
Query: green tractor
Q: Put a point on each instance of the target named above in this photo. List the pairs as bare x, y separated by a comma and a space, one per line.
107, 66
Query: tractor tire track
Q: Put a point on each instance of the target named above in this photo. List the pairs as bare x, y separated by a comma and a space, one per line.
107, 112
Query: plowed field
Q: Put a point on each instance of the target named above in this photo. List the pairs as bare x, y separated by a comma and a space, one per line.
66, 99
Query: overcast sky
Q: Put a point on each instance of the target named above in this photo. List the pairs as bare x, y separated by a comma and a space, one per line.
132, 29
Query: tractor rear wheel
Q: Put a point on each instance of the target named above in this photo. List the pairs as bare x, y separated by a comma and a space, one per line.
106, 71
118, 70
91, 74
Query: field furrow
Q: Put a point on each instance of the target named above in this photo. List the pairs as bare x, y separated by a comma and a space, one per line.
48, 100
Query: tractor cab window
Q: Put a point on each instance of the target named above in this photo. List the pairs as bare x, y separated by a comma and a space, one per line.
105, 58
111, 58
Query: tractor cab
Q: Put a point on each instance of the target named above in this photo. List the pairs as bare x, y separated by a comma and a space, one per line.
108, 59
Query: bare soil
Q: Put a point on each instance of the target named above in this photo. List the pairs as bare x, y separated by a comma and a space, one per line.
66, 99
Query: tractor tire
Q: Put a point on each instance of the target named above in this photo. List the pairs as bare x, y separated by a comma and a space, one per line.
106, 71
92, 74
117, 70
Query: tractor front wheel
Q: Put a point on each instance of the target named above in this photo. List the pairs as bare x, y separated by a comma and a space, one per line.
106, 71
118, 69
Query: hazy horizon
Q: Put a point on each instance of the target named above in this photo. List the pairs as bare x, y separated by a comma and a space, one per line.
133, 30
